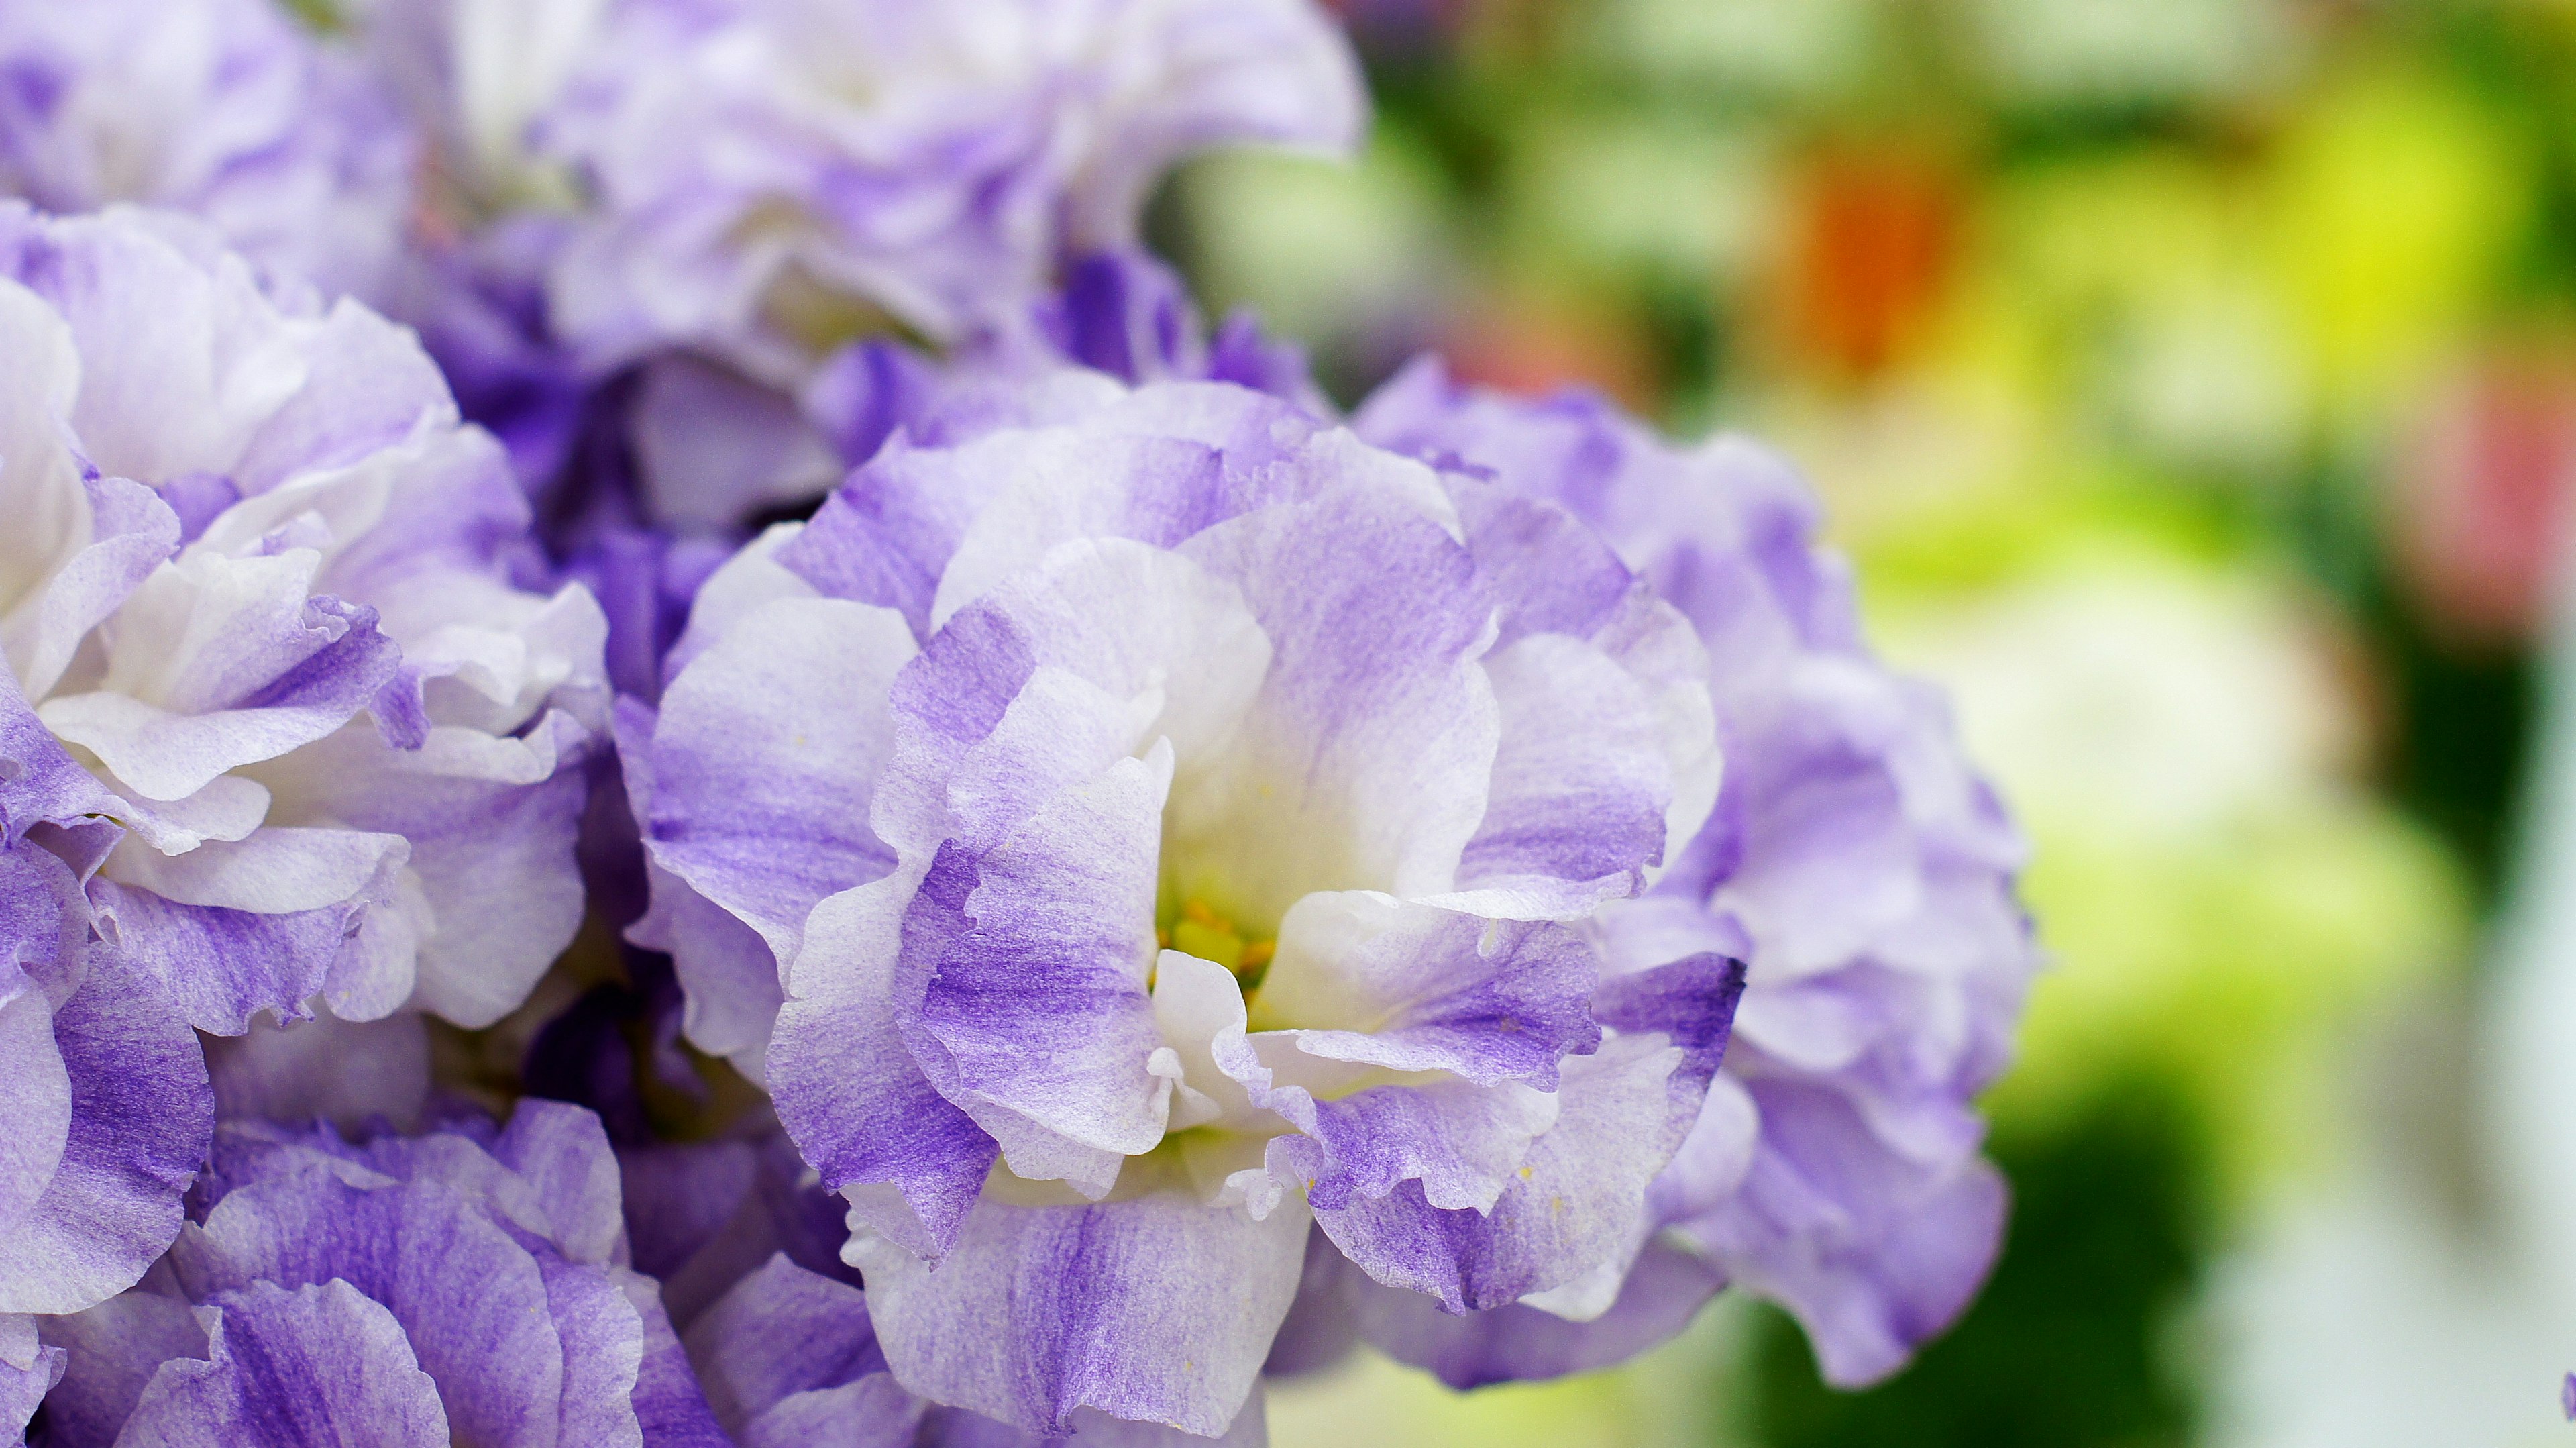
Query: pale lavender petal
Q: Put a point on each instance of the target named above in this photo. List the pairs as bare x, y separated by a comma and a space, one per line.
325, 1069
846, 1086
28, 1371
1155, 1309
1664, 1290
1853, 859
39, 780
1043, 1013
1872, 1253
765, 811
787, 1352
112, 1350
491, 825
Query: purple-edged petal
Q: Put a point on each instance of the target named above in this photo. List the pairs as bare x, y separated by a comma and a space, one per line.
1384, 749
764, 760
223, 966
1039, 1007
846, 1086
789, 1357
1577, 1212
141, 1116
221, 662
1873, 1253
729, 980
1155, 1309
39, 780
473, 1302
1364, 978
490, 824
1664, 1290
318, 1366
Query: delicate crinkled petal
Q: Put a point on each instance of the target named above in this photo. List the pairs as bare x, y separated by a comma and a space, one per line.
1853, 859
141, 1116
223, 966
1040, 1008
314, 1368
788, 1353
492, 1249
39, 780
28, 1371
1873, 1253
473, 1302
1664, 1289
1385, 749
1155, 1308
846, 1086
757, 203
112, 1350
491, 825
1364, 977
730, 982
179, 711
344, 547
1580, 1201
765, 756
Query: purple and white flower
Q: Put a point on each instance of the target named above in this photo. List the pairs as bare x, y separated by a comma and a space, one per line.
257, 611
1128, 836
466, 1286
226, 109
772, 176
1855, 862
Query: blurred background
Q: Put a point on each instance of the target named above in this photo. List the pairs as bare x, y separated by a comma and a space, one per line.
2194, 384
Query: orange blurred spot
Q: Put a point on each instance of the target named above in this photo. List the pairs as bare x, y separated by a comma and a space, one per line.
1873, 236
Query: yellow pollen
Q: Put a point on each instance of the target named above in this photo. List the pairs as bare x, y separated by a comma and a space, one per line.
1199, 930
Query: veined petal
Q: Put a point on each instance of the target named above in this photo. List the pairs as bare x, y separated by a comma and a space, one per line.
319, 1366
1152, 1308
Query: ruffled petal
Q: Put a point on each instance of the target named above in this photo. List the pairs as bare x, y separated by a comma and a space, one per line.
319, 1366
1663, 1291
1155, 1309
142, 1114
765, 757
1577, 1212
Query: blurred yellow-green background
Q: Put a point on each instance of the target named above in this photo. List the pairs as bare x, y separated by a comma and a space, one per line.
2194, 383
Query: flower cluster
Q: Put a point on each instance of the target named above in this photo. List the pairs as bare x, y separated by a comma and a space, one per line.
1137, 885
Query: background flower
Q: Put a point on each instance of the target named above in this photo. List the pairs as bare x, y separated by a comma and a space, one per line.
263, 623
466, 1284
